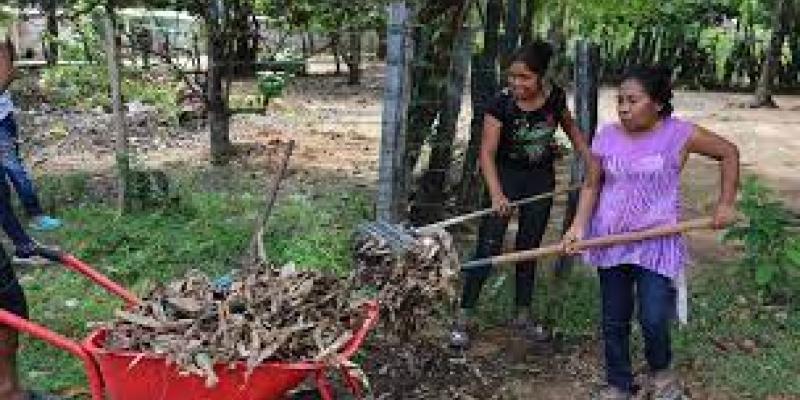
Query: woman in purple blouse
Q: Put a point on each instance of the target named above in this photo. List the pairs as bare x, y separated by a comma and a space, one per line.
638, 188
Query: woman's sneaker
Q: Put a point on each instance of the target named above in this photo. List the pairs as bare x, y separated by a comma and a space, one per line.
665, 385
45, 223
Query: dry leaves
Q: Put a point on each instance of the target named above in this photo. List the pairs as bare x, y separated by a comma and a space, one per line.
264, 314
411, 280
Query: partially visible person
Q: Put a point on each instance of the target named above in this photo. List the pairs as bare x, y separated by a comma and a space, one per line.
10, 160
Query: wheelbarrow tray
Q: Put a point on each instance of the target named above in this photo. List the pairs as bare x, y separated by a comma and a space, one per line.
115, 375
140, 376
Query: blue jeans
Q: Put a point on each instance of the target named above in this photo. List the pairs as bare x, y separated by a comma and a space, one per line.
656, 297
15, 170
9, 221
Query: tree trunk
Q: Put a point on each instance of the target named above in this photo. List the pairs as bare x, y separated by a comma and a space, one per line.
527, 21
558, 37
795, 66
752, 58
354, 58
381, 51
50, 10
437, 25
512, 27
244, 39
122, 153
218, 116
483, 83
424, 95
635, 50
763, 95
432, 196
335, 43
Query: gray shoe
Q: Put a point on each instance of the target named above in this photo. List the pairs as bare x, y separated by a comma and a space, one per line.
610, 393
459, 336
665, 385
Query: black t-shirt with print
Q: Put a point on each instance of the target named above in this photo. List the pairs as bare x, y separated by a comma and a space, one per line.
527, 138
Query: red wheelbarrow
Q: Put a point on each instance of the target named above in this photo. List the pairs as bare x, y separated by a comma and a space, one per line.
138, 376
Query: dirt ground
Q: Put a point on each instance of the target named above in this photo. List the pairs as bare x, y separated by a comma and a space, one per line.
337, 130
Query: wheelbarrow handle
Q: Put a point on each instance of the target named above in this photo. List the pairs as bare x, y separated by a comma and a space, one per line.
323, 385
480, 213
62, 342
73, 263
373, 309
610, 240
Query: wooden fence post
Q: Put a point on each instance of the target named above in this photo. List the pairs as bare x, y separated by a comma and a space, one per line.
393, 178
587, 61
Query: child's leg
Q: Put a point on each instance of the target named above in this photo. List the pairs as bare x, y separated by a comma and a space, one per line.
656, 297
15, 169
616, 285
10, 223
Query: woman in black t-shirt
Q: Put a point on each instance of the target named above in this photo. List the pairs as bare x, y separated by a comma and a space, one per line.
518, 150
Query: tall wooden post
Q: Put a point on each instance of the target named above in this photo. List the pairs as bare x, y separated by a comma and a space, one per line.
122, 151
586, 67
392, 172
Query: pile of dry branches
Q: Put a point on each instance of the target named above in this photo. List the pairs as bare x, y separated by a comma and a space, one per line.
260, 315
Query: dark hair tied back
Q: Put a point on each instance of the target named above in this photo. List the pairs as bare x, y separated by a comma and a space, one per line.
536, 56
657, 83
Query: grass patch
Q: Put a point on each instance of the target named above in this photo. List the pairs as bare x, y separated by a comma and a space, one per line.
735, 343
316, 231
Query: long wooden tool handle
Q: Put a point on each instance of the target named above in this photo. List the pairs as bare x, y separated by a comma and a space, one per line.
466, 217
526, 255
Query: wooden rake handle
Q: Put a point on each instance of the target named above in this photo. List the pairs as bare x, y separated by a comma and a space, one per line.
480, 213
610, 240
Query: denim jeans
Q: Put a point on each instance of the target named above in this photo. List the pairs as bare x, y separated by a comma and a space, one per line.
14, 169
533, 218
656, 301
9, 221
